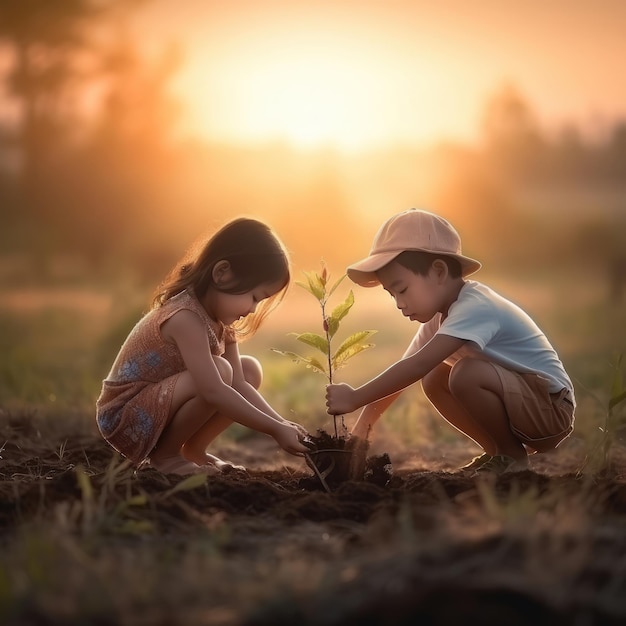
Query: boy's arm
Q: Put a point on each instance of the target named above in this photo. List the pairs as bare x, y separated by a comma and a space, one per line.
372, 412
342, 399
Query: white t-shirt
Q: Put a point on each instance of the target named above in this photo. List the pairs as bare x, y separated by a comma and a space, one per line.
498, 330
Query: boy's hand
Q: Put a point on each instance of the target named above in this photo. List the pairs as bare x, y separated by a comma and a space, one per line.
340, 399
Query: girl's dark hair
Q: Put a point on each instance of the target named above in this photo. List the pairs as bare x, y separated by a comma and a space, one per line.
256, 256
420, 262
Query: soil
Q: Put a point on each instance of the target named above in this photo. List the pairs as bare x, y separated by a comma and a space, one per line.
413, 542
336, 459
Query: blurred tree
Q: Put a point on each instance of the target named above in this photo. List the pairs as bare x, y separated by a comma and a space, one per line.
128, 164
512, 135
52, 46
616, 153
94, 119
46, 39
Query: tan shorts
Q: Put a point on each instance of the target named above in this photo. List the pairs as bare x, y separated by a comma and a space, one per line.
538, 418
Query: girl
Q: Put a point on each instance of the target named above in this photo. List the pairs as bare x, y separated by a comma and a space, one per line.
179, 380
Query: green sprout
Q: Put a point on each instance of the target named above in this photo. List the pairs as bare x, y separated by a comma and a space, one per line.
599, 459
317, 284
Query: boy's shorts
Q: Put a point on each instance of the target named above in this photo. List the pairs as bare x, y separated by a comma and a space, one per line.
538, 418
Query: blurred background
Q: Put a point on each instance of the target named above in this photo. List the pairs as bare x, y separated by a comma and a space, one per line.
131, 128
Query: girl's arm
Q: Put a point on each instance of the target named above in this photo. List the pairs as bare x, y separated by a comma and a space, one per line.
188, 332
342, 399
249, 392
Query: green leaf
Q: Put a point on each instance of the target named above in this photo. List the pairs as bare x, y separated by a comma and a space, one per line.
84, 482
617, 385
615, 400
191, 482
316, 365
339, 312
332, 289
314, 340
349, 353
352, 340
138, 500
308, 361
314, 285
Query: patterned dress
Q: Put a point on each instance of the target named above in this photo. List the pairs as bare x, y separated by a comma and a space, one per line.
136, 396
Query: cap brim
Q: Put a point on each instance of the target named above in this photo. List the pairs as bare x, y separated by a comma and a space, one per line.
364, 272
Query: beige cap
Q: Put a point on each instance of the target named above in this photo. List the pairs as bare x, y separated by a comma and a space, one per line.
410, 230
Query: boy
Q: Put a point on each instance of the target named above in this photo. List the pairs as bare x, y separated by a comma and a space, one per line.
484, 364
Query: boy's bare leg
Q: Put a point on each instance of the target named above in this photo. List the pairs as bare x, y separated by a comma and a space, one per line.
468, 396
476, 386
436, 388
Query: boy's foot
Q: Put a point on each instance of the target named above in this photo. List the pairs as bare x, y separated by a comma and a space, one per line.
500, 463
476, 462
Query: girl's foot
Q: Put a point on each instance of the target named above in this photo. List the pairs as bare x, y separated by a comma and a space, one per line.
209, 463
223, 466
175, 465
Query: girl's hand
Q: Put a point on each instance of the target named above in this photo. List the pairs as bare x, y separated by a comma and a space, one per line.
301, 429
289, 438
340, 399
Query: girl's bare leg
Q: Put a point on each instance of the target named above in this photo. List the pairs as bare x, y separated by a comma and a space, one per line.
188, 414
192, 410
476, 387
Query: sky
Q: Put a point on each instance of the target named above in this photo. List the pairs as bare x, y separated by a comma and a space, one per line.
357, 73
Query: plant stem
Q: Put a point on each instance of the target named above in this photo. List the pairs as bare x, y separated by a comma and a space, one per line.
330, 360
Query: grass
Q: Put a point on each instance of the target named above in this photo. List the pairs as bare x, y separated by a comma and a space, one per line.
88, 541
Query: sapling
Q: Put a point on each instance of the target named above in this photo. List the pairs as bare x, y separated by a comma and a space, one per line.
327, 364
317, 284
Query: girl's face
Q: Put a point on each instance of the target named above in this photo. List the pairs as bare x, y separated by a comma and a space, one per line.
419, 297
229, 307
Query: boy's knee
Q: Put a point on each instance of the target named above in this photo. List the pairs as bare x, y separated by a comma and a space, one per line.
225, 369
436, 381
252, 370
469, 373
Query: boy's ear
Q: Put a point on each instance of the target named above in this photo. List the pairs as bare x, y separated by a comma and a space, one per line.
440, 267
222, 272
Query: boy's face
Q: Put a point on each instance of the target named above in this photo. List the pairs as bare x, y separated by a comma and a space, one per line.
418, 297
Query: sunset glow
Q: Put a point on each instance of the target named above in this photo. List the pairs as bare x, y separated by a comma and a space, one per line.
316, 89
353, 74
304, 97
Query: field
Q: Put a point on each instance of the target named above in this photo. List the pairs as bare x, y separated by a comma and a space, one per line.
88, 540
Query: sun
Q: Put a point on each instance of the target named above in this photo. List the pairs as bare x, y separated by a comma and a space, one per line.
318, 87
307, 97
309, 100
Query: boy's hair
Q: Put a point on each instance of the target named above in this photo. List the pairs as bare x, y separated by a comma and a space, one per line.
420, 262
256, 256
